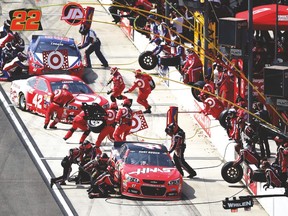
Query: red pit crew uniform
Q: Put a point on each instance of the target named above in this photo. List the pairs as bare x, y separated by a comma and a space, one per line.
124, 120
142, 82
60, 98
78, 122
108, 130
192, 68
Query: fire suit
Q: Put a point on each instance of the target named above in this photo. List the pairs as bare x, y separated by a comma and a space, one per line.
78, 122
59, 99
124, 121
142, 82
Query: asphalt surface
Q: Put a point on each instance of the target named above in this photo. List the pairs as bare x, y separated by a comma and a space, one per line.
44, 149
23, 190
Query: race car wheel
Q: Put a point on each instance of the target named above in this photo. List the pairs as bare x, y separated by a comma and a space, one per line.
222, 118
147, 61
96, 125
170, 61
258, 176
195, 92
139, 22
232, 174
22, 102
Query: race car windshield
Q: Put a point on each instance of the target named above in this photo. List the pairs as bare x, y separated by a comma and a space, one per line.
44, 46
74, 87
149, 159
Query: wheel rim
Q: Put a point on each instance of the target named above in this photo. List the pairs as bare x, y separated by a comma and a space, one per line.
95, 123
22, 101
148, 60
232, 173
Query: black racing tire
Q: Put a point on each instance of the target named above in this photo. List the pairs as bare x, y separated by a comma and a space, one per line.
96, 125
195, 92
170, 61
22, 102
147, 61
258, 176
139, 22
232, 174
222, 118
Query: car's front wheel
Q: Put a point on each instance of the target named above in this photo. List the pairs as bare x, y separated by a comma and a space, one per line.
22, 102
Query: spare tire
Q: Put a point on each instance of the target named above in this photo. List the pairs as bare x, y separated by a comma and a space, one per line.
232, 174
140, 22
222, 118
195, 92
147, 61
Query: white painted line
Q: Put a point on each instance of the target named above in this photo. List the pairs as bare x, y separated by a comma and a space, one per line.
34, 153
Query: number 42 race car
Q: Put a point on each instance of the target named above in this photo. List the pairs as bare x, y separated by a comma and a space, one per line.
34, 94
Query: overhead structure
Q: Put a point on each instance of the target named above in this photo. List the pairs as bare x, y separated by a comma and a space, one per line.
264, 17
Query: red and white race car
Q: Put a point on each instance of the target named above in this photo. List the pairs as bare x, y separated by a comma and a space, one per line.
34, 94
54, 55
146, 170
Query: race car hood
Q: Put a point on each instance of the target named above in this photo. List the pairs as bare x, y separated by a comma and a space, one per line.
152, 172
72, 60
89, 99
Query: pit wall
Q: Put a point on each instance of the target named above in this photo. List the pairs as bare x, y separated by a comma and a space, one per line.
277, 206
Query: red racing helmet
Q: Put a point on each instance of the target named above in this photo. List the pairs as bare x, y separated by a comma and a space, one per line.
114, 106
113, 70
65, 86
127, 102
138, 72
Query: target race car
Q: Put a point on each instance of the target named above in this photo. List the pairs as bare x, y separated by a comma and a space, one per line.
54, 55
146, 170
34, 94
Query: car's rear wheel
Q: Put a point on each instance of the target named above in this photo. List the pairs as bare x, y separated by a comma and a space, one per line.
22, 102
232, 173
96, 125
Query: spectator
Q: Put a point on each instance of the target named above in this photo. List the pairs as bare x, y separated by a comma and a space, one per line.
177, 22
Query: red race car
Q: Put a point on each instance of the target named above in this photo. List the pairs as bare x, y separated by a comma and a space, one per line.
34, 94
146, 170
54, 55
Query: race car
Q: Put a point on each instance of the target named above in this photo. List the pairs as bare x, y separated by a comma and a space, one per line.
54, 55
34, 94
146, 170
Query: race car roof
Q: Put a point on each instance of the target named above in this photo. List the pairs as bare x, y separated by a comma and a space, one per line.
142, 146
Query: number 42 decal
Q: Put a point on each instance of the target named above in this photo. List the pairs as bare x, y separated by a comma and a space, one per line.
25, 20
37, 101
